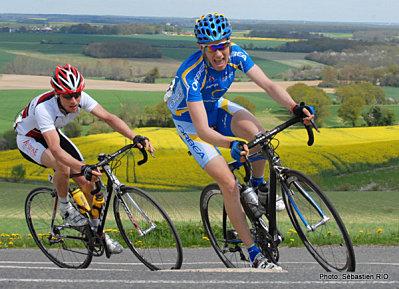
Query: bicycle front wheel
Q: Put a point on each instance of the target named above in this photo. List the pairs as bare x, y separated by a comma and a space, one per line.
224, 239
317, 223
147, 230
67, 247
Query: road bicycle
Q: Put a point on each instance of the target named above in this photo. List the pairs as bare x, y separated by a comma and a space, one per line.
314, 219
143, 224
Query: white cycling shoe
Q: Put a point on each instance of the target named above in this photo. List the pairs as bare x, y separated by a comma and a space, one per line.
72, 216
113, 246
280, 206
260, 262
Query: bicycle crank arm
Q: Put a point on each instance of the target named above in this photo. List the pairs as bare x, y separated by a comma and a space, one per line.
312, 228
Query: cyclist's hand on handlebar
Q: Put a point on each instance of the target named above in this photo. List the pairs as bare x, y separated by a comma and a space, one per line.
238, 150
90, 173
142, 141
306, 112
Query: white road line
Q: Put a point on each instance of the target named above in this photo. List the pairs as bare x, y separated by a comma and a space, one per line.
191, 281
187, 263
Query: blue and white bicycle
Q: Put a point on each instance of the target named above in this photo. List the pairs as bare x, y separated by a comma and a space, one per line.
313, 217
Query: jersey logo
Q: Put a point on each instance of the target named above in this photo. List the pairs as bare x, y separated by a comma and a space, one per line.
191, 143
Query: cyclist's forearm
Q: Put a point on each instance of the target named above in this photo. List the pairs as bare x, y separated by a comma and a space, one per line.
63, 157
281, 96
274, 90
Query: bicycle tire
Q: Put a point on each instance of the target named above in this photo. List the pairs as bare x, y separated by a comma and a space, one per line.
329, 243
152, 248
69, 247
220, 231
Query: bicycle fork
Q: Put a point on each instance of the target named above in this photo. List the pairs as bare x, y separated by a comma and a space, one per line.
302, 191
134, 221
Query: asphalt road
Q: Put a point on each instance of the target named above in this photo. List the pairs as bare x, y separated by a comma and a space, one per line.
377, 267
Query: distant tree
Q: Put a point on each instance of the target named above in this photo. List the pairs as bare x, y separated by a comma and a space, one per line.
312, 96
351, 109
329, 76
243, 101
73, 129
151, 75
128, 112
370, 93
158, 115
377, 116
8, 140
18, 173
99, 127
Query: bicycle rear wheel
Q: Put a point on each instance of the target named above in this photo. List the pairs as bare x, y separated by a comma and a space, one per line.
317, 223
67, 247
147, 230
220, 231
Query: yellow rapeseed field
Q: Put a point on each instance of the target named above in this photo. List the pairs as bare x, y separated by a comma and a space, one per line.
172, 168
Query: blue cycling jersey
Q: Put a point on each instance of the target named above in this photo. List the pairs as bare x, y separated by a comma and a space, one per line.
197, 81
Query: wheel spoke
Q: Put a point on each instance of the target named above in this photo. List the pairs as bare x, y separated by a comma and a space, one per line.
147, 230
66, 246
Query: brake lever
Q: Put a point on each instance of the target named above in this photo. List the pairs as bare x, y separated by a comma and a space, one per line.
314, 125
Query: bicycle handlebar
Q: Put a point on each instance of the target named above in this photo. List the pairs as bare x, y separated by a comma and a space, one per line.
262, 137
105, 159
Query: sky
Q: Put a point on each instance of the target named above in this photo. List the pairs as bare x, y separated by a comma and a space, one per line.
386, 11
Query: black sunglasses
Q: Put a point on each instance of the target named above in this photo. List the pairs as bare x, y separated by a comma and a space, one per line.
71, 95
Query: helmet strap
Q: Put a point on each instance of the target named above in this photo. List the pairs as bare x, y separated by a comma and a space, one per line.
62, 109
207, 62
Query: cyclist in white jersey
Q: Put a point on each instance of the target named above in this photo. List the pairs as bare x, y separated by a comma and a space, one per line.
40, 140
204, 119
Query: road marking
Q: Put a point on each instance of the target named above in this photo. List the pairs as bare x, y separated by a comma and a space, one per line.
191, 281
187, 263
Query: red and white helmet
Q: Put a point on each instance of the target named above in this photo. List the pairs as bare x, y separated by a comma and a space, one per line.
67, 79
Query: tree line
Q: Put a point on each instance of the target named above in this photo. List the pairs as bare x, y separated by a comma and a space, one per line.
121, 49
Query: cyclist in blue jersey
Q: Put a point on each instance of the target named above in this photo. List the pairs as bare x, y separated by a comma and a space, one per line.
204, 119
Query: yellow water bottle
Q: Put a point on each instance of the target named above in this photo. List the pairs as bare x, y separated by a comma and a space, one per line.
80, 200
98, 202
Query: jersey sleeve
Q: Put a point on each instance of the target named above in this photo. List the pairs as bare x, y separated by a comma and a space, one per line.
87, 102
44, 119
241, 58
193, 84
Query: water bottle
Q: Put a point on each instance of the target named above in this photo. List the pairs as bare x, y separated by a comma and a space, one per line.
251, 199
263, 196
98, 202
81, 201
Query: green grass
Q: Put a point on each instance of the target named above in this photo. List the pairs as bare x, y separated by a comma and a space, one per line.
13, 101
391, 92
272, 68
366, 222
5, 58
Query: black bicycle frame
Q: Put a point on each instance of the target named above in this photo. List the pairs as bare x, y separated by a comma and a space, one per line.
267, 152
113, 184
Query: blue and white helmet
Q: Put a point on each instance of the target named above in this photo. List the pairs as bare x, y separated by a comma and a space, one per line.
212, 27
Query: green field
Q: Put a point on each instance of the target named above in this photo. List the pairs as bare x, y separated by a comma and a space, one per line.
69, 47
14, 100
367, 223
5, 58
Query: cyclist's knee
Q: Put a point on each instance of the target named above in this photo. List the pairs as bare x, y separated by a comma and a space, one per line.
62, 170
229, 186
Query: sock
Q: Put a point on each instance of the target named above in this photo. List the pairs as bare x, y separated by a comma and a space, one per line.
253, 250
255, 182
63, 204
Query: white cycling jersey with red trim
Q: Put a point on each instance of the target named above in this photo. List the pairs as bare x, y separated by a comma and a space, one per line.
44, 113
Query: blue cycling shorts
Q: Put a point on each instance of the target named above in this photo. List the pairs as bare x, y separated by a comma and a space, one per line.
219, 119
